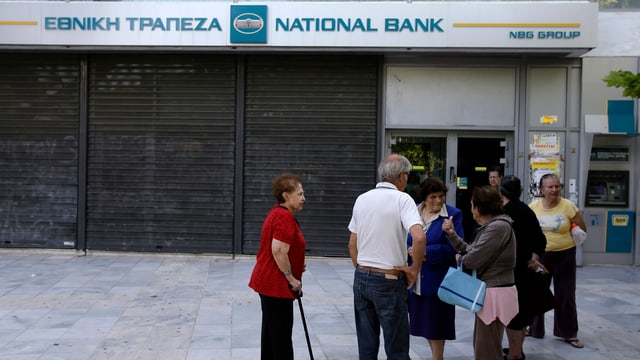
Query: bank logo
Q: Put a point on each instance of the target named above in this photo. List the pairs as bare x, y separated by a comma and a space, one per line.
248, 24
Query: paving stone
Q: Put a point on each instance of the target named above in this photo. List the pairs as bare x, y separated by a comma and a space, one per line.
65, 305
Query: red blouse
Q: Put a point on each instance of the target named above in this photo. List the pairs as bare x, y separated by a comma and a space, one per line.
266, 278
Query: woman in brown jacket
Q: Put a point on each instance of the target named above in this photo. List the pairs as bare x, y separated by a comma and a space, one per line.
493, 254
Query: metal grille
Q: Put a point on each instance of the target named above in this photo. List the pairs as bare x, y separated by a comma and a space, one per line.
39, 107
161, 153
315, 116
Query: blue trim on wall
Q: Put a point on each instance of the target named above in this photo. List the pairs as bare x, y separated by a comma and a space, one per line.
620, 114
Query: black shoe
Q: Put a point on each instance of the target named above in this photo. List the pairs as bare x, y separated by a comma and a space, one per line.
506, 353
506, 357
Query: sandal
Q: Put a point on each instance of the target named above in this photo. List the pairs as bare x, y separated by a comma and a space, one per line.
576, 343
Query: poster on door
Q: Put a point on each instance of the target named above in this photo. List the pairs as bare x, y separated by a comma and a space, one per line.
545, 143
544, 158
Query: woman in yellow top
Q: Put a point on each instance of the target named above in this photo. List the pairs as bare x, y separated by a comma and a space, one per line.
555, 215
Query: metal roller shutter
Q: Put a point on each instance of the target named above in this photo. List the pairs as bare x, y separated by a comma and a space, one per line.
314, 115
161, 153
39, 107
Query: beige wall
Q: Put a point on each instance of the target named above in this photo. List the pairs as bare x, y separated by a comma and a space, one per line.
446, 97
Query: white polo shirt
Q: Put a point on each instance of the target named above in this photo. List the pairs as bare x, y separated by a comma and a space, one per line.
381, 219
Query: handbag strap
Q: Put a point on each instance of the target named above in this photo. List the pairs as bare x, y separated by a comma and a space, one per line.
474, 272
483, 286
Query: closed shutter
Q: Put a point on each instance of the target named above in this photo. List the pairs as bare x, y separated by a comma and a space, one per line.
161, 153
314, 115
39, 107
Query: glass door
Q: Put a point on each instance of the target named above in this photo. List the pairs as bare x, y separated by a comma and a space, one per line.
461, 160
427, 155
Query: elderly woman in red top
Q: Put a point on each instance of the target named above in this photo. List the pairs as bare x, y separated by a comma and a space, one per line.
279, 266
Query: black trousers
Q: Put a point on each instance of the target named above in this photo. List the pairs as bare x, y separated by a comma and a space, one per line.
562, 266
277, 328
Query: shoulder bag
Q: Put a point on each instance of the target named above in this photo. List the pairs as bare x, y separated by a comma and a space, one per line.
461, 289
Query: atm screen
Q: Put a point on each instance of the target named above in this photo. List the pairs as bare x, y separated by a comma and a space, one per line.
598, 189
607, 188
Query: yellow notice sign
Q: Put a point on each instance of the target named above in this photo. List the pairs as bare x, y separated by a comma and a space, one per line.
548, 119
548, 163
620, 220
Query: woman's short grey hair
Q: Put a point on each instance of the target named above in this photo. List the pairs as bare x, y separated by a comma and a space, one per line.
392, 166
547, 176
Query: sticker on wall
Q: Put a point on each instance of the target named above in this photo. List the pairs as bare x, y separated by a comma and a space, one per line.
619, 220
463, 183
594, 220
548, 119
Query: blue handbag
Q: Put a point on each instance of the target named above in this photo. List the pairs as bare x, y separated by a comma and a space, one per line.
461, 289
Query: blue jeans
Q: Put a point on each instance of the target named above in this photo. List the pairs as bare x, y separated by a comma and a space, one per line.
380, 302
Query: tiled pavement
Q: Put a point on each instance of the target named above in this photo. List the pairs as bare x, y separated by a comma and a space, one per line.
65, 305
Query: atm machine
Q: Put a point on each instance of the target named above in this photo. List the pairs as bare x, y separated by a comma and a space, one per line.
610, 221
607, 188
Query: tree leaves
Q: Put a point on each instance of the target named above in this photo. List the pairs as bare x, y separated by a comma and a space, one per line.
627, 80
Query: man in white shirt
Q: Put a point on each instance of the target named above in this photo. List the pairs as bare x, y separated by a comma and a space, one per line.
381, 219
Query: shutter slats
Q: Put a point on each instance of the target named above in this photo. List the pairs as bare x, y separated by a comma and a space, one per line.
161, 145
315, 116
39, 116
161, 155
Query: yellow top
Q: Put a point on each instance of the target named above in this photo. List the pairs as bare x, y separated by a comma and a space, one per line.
556, 223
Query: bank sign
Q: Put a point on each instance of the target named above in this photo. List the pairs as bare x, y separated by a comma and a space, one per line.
299, 25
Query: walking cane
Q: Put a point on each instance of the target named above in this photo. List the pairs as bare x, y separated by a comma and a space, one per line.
304, 322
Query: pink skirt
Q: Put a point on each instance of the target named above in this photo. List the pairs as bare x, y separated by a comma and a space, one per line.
500, 303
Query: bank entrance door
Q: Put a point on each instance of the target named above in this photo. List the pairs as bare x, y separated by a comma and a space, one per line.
461, 160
